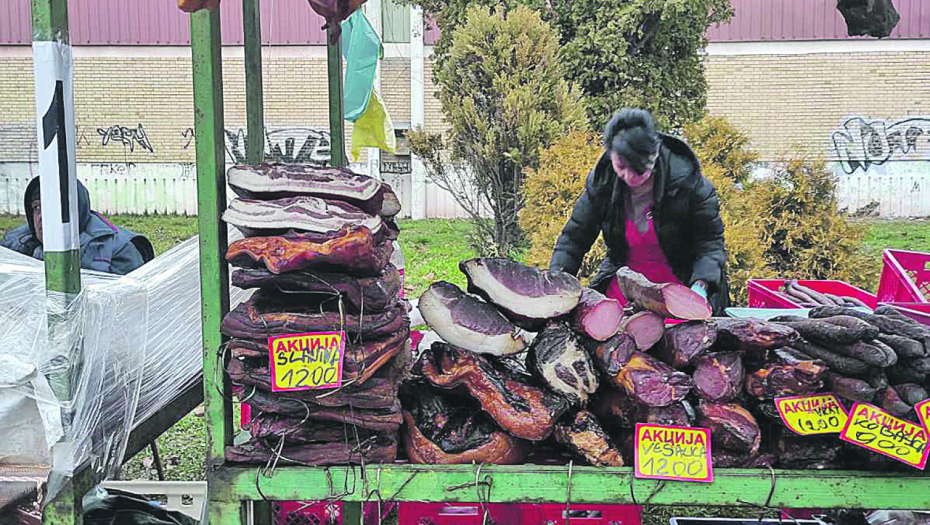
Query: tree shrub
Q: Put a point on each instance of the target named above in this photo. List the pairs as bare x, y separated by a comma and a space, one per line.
550, 193
726, 161
620, 53
803, 232
785, 225
504, 96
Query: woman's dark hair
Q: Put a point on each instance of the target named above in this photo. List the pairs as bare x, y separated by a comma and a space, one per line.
632, 134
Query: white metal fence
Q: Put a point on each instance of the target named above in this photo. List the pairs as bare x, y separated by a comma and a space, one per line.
900, 191
172, 189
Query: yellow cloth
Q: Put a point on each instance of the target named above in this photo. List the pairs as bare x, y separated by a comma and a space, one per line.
373, 129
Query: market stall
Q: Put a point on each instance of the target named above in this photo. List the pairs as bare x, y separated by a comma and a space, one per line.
730, 371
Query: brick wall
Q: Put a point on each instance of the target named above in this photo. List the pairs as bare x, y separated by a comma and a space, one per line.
18, 117
395, 88
432, 107
780, 100
156, 93
783, 100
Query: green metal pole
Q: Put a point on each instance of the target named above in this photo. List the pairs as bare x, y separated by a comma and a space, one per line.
54, 96
211, 201
337, 128
50, 21
254, 96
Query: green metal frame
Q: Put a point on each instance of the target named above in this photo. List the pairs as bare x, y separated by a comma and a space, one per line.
232, 487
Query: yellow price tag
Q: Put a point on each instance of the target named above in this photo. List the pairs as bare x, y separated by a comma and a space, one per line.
923, 412
306, 361
673, 452
872, 428
817, 414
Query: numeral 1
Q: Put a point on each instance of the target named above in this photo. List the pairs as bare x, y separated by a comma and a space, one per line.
53, 124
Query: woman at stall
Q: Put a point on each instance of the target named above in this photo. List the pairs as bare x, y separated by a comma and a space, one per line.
659, 215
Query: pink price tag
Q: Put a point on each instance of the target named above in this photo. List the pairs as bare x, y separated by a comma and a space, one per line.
673, 453
872, 428
306, 361
923, 412
814, 414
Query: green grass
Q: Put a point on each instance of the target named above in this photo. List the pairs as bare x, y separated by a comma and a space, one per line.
8, 222
182, 449
165, 231
899, 234
432, 250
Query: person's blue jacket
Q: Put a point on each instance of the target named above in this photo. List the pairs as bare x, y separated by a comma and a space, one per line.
104, 246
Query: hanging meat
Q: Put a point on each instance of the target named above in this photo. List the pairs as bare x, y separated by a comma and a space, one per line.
353, 249
466, 322
444, 428
559, 359
361, 294
511, 398
582, 434
528, 296
278, 180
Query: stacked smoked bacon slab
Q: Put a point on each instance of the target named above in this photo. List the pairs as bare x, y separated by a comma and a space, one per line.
317, 250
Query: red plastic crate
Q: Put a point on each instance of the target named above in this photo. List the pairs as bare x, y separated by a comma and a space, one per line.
919, 312
554, 514
456, 513
307, 513
763, 293
905, 277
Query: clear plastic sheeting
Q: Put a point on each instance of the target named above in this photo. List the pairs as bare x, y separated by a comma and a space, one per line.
123, 349
71, 370
174, 356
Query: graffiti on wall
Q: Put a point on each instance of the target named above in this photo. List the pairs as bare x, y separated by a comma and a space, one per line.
863, 143
296, 145
126, 136
188, 136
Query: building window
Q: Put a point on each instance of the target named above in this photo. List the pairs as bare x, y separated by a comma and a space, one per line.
399, 162
395, 22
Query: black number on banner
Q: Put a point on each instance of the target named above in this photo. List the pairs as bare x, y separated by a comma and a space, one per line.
53, 124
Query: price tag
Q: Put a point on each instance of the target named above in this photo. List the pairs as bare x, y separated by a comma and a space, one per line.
807, 415
674, 453
306, 361
872, 428
923, 412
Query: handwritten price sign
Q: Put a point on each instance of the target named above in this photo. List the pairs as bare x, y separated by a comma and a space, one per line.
306, 361
923, 412
807, 415
872, 428
674, 453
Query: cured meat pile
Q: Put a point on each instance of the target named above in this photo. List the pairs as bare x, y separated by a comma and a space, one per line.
539, 363
317, 246
523, 351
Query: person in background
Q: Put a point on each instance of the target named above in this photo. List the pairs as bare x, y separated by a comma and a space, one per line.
104, 246
659, 215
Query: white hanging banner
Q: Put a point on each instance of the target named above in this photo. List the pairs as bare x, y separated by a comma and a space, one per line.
54, 74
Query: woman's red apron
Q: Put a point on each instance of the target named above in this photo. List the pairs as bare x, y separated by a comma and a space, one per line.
644, 256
